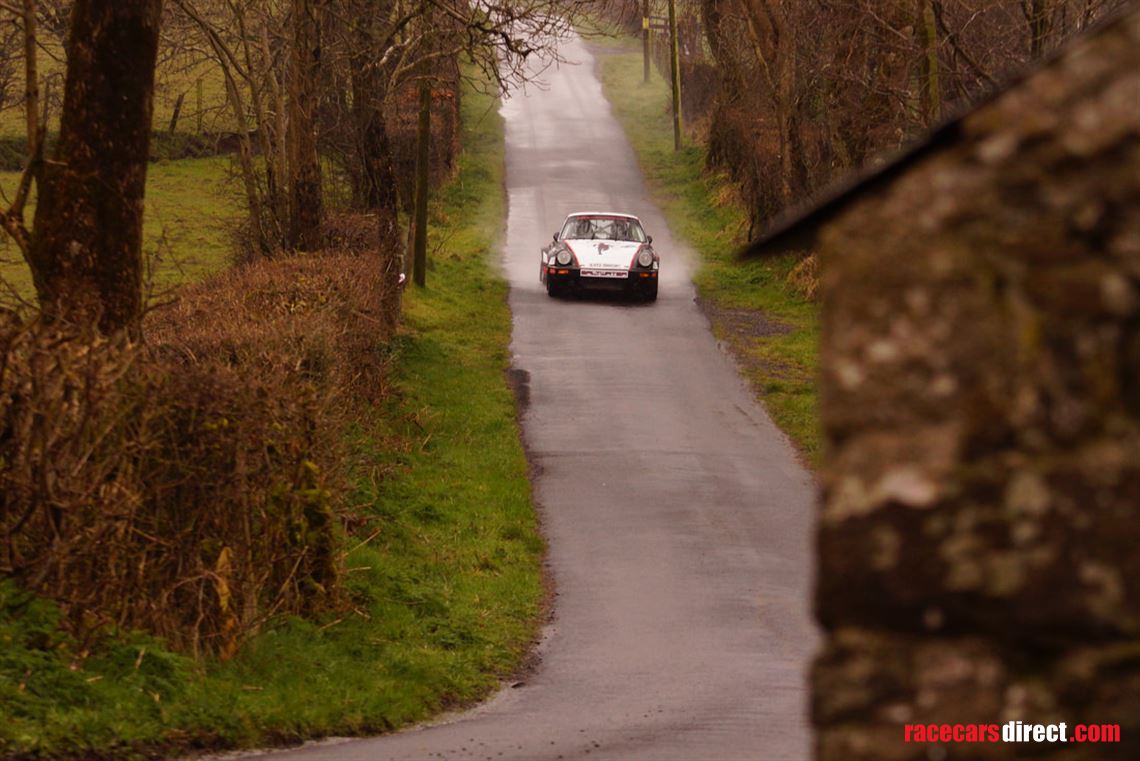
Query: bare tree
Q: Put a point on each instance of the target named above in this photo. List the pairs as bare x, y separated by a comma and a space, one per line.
811, 90
375, 184
248, 42
420, 207
507, 42
13, 217
11, 57
304, 164
312, 81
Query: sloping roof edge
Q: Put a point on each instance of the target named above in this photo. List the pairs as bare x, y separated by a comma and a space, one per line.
798, 227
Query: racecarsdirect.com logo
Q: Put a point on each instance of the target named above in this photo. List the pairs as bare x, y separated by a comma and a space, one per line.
1011, 732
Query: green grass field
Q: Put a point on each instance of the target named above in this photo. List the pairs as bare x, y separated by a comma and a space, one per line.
444, 583
191, 208
192, 211
781, 363
174, 77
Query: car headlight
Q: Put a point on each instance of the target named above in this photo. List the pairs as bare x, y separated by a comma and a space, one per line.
645, 258
564, 257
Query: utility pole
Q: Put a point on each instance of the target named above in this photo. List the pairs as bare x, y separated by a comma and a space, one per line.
423, 144
645, 38
675, 56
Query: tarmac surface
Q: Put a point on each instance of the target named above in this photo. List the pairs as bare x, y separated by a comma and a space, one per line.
677, 516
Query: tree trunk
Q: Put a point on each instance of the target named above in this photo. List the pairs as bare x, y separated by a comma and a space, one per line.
930, 86
378, 190
274, 134
304, 163
86, 248
31, 80
1037, 16
792, 173
264, 244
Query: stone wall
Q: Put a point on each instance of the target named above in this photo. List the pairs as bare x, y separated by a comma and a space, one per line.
979, 540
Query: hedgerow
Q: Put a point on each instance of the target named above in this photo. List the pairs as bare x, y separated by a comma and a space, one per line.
189, 485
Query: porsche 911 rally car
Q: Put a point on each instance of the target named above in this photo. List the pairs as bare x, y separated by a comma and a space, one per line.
601, 250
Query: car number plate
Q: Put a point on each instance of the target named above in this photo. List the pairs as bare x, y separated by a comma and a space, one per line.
605, 273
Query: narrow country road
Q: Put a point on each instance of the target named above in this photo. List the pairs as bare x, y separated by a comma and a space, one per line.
677, 516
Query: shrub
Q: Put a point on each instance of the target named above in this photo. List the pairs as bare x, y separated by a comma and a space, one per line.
189, 485
804, 277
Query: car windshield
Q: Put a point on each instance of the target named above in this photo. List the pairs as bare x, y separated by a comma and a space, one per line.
603, 228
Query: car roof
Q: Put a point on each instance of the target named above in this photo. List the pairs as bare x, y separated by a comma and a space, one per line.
601, 214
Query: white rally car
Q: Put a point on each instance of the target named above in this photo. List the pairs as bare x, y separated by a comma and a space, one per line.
601, 250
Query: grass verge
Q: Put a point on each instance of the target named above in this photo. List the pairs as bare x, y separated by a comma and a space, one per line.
772, 329
443, 563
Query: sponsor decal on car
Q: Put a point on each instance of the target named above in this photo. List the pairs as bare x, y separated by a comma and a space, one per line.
605, 273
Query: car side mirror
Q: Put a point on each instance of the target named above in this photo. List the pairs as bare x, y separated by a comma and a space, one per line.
650, 239
555, 237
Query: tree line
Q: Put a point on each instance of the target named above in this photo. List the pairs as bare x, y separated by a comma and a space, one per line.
799, 93
792, 95
311, 87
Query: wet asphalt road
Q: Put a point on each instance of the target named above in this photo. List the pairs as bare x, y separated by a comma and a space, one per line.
677, 516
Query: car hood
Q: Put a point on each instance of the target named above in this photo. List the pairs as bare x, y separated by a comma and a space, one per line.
603, 254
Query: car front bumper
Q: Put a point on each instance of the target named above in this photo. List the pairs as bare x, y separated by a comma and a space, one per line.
572, 277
